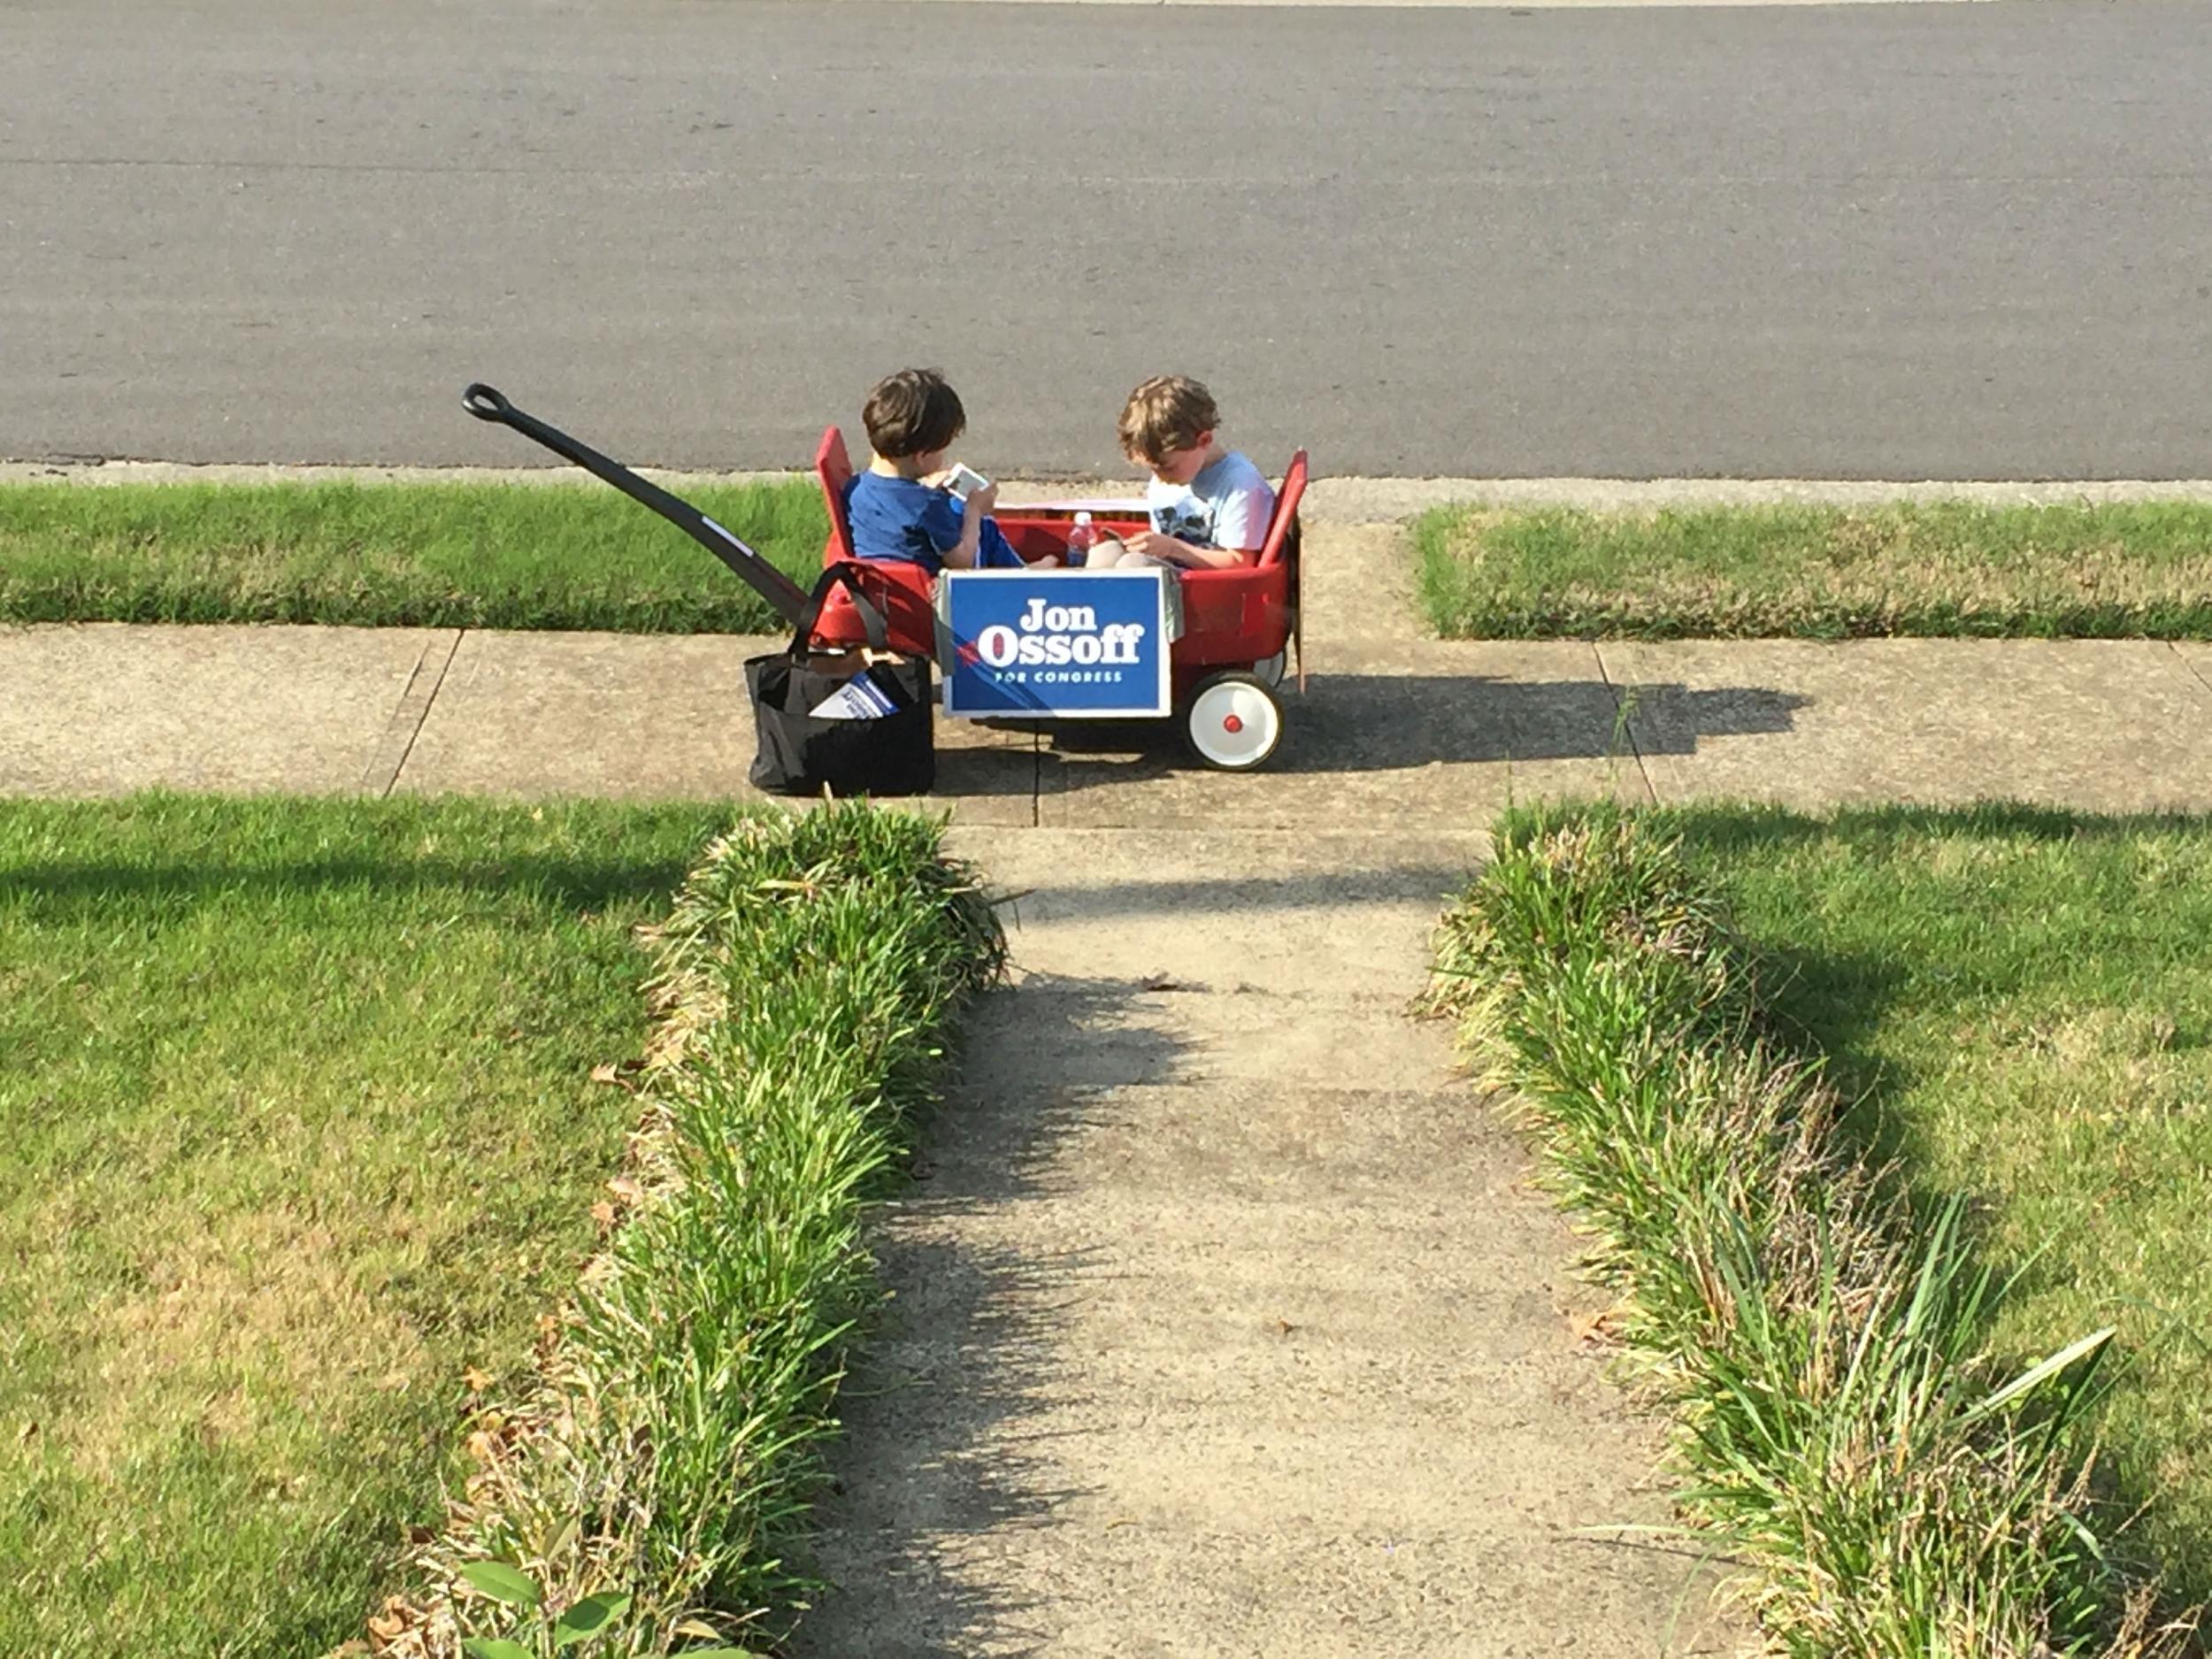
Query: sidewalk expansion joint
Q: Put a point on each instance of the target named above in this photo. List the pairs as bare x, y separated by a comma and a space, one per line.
2189, 668
1625, 729
382, 774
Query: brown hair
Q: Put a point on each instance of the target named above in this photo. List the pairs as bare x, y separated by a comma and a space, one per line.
1168, 412
912, 412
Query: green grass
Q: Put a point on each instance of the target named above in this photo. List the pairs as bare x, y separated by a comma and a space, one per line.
299, 1127
1948, 569
667, 1453
491, 556
2022, 1003
1886, 1400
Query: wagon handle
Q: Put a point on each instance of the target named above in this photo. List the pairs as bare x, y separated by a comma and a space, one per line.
485, 402
784, 596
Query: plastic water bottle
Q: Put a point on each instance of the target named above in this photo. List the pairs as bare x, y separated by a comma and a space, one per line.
1081, 539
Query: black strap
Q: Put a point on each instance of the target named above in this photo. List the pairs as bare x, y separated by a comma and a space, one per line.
871, 619
756, 572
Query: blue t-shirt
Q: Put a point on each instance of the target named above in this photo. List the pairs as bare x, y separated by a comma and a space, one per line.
904, 519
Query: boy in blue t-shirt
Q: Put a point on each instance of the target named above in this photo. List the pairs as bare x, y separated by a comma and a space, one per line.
899, 508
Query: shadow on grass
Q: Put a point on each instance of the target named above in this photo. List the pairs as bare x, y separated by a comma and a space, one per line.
1832, 1002
159, 849
1835, 1003
1727, 829
1888, 1143
943, 1461
60, 891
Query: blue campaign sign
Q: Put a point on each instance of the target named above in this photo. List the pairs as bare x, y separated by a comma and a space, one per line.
1076, 644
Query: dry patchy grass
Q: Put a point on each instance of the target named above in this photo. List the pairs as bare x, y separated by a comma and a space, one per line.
506, 555
1941, 569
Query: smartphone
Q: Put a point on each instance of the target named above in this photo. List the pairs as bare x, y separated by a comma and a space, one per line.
964, 481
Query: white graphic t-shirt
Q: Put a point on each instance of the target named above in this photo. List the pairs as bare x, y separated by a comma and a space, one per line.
1227, 505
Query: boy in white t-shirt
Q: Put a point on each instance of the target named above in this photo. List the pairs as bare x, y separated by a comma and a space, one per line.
1210, 506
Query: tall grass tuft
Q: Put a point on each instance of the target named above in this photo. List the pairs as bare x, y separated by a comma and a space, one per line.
807, 981
1886, 1485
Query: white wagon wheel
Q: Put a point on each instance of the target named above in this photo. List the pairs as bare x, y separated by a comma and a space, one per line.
1233, 721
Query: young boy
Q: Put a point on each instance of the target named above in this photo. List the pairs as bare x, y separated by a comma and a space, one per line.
1210, 506
899, 508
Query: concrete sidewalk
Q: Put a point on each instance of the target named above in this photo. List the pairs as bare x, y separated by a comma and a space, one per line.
1393, 728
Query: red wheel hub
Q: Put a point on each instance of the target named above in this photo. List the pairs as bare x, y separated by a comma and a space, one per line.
1232, 724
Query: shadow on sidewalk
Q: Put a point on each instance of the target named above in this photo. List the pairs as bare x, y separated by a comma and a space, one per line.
1426, 882
938, 1469
1354, 723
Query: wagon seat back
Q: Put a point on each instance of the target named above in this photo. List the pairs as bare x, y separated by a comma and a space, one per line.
1243, 616
901, 590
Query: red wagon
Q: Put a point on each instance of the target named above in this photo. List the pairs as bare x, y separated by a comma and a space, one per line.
1230, 634
1238, 627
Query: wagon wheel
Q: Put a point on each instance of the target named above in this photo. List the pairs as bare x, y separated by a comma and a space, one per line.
1233, 721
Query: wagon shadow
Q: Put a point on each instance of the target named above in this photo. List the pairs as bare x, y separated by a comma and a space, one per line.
943, 1462
1356, 723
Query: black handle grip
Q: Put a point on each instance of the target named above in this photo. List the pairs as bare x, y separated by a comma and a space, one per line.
485, 402
788, 599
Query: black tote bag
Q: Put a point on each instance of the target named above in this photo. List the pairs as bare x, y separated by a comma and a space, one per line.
882, 744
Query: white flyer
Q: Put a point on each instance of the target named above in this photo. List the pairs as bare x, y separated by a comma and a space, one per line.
859, 698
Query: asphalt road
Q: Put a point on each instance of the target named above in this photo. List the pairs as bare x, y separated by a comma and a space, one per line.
1886, 242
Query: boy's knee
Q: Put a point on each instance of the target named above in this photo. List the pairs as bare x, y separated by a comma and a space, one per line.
1107, 554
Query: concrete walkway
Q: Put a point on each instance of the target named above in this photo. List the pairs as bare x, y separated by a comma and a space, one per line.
1225, 1323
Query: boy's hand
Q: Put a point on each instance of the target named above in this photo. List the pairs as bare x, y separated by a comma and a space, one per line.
981, 500
1152, 544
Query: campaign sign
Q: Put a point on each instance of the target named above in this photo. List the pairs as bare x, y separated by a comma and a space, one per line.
1067, 644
